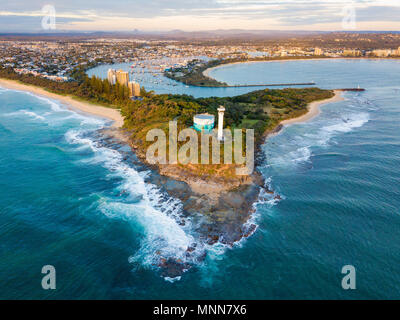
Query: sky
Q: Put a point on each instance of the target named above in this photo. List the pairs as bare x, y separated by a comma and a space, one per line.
199, 15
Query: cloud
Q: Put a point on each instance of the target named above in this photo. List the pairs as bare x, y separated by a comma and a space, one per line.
376, 13
198, 14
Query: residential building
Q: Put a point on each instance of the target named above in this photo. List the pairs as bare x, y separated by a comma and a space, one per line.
134, 89
122, 77
112, 76
318, 52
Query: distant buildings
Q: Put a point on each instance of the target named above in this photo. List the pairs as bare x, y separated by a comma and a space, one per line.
58, 60
318, 52
37, 74
382, 53
352, 53
134, 89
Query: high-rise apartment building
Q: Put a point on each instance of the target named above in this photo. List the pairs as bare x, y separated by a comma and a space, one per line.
122, 77
111, 76
134, 89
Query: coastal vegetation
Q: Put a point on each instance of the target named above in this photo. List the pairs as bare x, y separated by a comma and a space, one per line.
261, 110
94, 89
192, 74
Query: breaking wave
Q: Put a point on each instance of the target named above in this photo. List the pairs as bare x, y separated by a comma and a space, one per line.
56, 110
298, 149
53, 105
30, 114
165, 232
293, 147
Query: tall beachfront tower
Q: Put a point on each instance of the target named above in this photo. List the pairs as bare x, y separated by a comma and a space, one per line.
221, 111
123, 77
112, 76
134, 89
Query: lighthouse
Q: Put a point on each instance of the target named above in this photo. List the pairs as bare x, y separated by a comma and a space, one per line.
221, 111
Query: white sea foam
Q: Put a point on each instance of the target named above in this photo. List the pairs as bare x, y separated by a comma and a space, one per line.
84, 120
33, 114
30, 114
155, 213
298, 149
216, 252
57, 107
300, 155
53, 104
346, 125
172, 280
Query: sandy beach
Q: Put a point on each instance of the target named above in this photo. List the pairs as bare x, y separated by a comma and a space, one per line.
314, 109
70, 102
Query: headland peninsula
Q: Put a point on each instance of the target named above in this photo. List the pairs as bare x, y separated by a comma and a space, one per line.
223, 200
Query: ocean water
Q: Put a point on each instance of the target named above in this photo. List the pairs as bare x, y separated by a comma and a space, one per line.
69, 200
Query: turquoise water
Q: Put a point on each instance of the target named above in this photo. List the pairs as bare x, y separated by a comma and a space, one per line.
72, 201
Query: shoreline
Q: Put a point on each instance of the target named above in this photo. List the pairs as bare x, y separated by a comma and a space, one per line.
70, 102
314, 109
227, 209
118, 120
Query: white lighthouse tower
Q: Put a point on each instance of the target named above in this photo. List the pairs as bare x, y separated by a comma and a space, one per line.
221, 111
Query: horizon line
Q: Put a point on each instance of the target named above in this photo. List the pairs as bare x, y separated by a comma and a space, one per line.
194, 31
